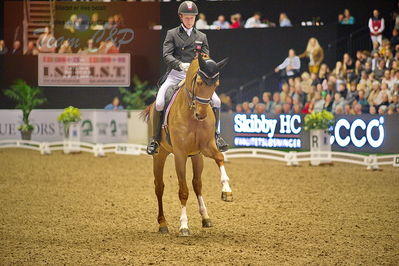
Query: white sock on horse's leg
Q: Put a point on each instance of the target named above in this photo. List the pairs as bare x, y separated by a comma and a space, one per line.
224, 179
183, 218
202, 208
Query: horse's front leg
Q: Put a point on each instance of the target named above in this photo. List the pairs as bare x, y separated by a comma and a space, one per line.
180, 164
198, 165
214, 153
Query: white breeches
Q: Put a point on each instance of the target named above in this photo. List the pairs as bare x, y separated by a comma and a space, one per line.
174, 78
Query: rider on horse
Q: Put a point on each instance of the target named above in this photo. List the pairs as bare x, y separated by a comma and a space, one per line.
179, 48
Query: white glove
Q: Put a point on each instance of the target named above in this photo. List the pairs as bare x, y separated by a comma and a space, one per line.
184, 66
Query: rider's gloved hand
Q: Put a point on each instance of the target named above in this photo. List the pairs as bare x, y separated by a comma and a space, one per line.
184, 66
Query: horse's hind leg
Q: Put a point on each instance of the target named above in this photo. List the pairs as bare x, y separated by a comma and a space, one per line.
180, 164
198, 165
158, 166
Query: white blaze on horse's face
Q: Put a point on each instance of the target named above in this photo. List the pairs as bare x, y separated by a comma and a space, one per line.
203, 91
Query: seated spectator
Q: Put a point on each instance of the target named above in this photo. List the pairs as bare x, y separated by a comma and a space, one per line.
278, 109
221, 23
328, 102
385, 100
46, 43
372, 110
358, 109
255, 22
65, 48
245, 107
315, 54
318, 102
70, 24
235, 20
285, 92
110, 48
340, 18
395, 39
347, 18
266, 100
382, 110
287, 108
90, 49
110, 23
339, 71
291, 65
342, 90
375, 96
306, 82
380, 69
339, 110
253, 103
352, 93
338, 102
361, 99
201, 23
3, 48
115, 105
31, 50
260, 108
94, 23
239, 108
297, 109
276, 101
284, 20
357, 72
16, 48
391, 109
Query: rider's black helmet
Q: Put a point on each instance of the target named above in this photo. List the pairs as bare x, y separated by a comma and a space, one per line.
188, 8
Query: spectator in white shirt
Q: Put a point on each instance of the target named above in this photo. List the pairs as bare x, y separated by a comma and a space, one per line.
221, 23
254, 22
201, 23
284, 20
376, 26
290, 66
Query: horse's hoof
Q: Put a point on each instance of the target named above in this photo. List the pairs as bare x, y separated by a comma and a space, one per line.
184, 232
207, 223
227, 196
163, 230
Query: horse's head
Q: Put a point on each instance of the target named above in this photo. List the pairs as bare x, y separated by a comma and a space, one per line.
206, 82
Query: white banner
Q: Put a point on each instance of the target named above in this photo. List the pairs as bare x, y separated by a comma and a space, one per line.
97, 126
109, 70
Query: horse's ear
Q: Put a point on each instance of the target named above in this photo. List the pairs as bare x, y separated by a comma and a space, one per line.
222, 63
201, 61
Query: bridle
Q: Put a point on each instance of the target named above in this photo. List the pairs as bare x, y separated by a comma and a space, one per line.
193, 98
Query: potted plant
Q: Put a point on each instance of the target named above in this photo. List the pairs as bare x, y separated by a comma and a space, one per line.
27, 98
319, 124
70, 118
135, 100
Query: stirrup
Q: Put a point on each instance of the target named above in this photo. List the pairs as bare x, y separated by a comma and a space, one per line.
221, 144
152, 148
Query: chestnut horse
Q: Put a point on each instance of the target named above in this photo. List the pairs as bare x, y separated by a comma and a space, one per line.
191, 127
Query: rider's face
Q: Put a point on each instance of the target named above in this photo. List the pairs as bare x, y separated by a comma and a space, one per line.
188, 21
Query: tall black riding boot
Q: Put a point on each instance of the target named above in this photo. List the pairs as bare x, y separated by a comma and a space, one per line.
220, 143
152, 147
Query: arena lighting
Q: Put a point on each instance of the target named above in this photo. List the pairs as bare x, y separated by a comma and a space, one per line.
366, 138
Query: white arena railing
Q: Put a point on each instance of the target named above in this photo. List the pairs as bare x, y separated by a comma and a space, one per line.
291, 158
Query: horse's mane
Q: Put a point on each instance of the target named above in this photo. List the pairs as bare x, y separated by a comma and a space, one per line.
192, 70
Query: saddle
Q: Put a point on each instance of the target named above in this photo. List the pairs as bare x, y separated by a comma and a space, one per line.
170, 97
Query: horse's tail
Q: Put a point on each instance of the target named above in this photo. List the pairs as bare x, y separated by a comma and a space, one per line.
145, 114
